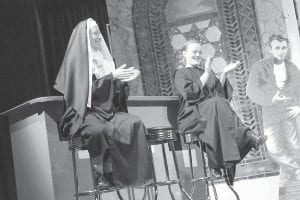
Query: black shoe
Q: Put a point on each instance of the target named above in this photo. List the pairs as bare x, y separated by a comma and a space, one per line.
256, 140
216, 172
109, 178
102, 183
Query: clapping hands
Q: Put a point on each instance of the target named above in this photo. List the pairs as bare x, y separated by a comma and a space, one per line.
231, 66
126, 74
228, 68
207, 65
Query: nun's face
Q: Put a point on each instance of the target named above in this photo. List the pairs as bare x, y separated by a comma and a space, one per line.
95, 38
192, 55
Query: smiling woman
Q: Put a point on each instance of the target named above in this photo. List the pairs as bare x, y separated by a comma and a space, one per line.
205, 110
95, 37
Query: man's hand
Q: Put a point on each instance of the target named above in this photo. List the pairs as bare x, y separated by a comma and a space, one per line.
293, 111
126, 74
279, 98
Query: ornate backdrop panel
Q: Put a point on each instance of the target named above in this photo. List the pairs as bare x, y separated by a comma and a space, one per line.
227, 33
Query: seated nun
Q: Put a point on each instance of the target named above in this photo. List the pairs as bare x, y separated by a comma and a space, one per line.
204, 109
95, 95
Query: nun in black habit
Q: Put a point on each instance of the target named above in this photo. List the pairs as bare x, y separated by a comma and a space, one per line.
95, 96
204, 109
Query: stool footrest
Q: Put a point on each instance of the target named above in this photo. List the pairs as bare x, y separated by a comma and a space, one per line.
96, 191
85, 193
203, 179
163, 183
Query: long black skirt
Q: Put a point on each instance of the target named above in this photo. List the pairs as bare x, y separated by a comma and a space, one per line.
124, 136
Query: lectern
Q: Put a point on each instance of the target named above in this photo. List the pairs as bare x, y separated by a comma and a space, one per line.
42, 165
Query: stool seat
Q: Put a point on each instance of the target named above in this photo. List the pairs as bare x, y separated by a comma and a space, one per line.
191, 138
161, 134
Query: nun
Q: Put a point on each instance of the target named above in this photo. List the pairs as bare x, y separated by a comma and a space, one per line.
95, 94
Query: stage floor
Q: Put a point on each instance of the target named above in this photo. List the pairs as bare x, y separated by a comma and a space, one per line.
266, 188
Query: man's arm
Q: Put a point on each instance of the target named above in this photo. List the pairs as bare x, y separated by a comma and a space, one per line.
294, 111
296, 79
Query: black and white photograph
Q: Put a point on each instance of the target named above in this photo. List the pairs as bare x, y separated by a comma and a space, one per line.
150, 100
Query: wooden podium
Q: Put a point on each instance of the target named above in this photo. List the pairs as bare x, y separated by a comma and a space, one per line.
42, 165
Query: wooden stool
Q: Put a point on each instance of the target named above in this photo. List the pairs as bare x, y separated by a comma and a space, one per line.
190, 139
76, 144
160, 136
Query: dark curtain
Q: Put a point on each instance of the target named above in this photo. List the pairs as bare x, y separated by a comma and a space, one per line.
57, 19
21, 76
33, 39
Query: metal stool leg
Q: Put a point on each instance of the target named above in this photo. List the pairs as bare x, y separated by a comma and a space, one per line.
192, 168
167, 170
210, 175
119, 195
229, 185
205, 177
204, 170
145, 193
163, 135
213, 185
98, 196
177, 171
75, 173
153, 172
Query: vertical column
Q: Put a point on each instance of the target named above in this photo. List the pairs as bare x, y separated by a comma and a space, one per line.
292, 30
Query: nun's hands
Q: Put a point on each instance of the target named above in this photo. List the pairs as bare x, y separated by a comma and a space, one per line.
125, 73
231, 66
207, 65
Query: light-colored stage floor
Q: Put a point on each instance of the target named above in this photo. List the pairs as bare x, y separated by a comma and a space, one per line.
266, 188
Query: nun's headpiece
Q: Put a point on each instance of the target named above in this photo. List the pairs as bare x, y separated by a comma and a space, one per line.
74, 79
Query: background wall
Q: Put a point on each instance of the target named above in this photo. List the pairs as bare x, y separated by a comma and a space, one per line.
169, 25
270, 20
123, 44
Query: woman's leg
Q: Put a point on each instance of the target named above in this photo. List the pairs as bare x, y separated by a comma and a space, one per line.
96, 133
133, 166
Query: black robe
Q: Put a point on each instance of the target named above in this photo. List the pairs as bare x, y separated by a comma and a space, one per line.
207, 112
105, 126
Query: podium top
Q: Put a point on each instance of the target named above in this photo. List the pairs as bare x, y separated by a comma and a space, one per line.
59, 99
152, 98
39, 100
